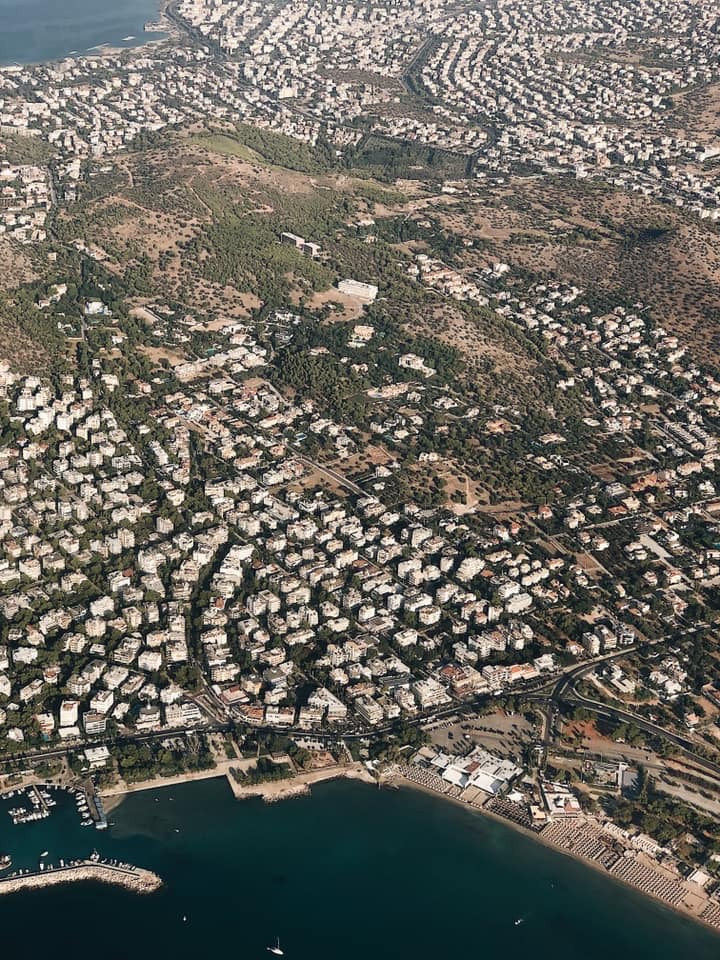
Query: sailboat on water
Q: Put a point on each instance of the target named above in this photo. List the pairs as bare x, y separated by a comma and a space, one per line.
276, 949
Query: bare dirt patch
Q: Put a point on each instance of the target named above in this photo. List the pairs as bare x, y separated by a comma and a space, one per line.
343, 306
17, 266
158, 354
606, 241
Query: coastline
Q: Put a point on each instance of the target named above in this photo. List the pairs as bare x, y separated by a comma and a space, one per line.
135, 879
113, 796
269, 865
271, 792
398, 781
142, 881
151, 33
301, 786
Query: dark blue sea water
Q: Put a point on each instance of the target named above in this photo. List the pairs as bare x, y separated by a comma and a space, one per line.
37, 30
351, 872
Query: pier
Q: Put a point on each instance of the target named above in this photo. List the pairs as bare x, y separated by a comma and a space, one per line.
95, 806
124, 875
40, 803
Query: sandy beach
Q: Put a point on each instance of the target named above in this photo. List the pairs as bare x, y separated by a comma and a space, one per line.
692, 905
398, 781
301, 785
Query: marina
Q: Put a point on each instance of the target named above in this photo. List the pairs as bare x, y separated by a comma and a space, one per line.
40, 803
35, 803
266, 865
93, 869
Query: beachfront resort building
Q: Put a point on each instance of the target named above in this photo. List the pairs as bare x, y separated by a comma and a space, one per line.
479, 769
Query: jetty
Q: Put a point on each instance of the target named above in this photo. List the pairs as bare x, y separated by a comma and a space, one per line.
96, 808
132, 878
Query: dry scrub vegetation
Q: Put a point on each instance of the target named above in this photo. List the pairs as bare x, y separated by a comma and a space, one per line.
613, 244
162, 203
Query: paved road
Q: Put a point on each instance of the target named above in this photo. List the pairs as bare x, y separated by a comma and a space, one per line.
335, 475
622, 716
544, 694
565, 691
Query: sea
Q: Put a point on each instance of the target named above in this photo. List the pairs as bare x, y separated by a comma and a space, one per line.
349, 872
33, 31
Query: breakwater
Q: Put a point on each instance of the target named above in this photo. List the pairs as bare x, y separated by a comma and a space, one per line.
131, 878
264, 866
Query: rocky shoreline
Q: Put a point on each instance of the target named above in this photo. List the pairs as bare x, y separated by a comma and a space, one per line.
300, 785
131, 878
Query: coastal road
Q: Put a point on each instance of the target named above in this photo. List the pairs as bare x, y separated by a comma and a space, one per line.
548, 698
565, 691
61, 753
455, 709
622, 716
545, 695
558, 688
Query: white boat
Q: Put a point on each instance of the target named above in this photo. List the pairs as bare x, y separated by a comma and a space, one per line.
44, 853
518, 922
276, 949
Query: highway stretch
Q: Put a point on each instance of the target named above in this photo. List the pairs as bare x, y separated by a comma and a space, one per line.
564, 692
621, 716
545, 694
456, 708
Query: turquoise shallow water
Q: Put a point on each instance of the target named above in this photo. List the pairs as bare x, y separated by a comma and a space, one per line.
36, 30
350, 872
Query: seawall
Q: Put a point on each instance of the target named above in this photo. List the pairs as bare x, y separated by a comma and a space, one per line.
131, 878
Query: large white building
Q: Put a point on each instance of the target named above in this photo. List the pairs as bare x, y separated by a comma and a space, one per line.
354, 288
478, 769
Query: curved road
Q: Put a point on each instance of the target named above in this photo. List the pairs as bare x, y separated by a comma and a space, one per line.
622, 716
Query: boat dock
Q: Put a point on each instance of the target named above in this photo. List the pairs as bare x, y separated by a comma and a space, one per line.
124, 875
40, 803
36, 803
95, 806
